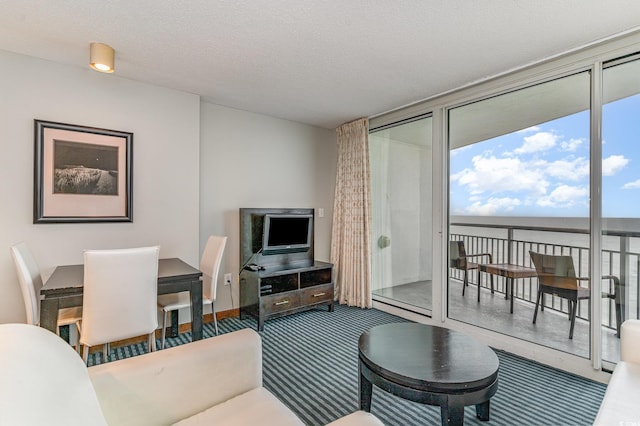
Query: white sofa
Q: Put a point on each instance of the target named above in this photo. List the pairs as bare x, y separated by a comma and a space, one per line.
211, 381
620, 405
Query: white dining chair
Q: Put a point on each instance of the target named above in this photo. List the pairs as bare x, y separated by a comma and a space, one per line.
119, 297
30, 284
209, 266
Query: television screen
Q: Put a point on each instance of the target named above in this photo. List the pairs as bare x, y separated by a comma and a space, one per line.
287, 233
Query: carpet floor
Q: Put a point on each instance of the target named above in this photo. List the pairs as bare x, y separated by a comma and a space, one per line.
310, 362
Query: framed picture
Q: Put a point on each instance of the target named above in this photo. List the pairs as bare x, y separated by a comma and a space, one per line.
82, 174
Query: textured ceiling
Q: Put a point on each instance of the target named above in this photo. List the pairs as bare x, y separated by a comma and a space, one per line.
321, 62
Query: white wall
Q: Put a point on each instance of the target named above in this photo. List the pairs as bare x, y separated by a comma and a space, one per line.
409, 172
404, 205
166, 126
251, 160
195, 165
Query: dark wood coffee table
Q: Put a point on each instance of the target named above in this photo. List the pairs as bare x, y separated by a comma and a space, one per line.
430, 365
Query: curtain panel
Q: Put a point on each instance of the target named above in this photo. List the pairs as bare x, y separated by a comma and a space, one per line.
350, 246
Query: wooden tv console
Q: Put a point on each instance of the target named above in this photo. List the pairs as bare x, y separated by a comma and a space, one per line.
279, 284
280, 291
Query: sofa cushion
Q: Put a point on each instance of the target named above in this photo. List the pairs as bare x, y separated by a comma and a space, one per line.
256, 407
164, 387
43, 380
619, 406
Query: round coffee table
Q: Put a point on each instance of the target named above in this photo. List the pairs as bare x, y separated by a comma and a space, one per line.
430, 365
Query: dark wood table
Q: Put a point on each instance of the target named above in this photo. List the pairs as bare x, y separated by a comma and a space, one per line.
64, 289
507, 270
430, 365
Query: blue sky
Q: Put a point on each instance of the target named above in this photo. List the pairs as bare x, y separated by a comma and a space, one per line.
544, 170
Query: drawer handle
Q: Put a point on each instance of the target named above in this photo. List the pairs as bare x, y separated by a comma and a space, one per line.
284, 302
319, 294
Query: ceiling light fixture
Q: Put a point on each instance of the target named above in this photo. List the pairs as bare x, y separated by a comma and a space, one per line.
101, 57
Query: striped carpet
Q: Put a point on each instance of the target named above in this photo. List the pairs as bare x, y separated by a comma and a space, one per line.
311, 364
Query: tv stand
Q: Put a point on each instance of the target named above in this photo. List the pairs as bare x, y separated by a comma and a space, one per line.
280, 291
274, 285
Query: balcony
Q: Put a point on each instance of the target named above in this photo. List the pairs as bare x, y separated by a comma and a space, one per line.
511, 244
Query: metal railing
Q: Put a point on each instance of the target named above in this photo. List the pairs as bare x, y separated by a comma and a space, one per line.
511, 244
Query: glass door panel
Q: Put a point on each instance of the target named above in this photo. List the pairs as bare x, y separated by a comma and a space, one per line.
519, 167
401, 270
620, 190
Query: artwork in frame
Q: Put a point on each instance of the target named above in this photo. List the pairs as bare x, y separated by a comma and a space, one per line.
82, 174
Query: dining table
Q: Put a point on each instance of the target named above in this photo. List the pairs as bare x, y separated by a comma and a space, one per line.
64, 288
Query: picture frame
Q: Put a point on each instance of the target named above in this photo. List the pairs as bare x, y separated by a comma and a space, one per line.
82, 174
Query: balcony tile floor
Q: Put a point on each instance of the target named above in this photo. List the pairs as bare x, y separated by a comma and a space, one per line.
551, 328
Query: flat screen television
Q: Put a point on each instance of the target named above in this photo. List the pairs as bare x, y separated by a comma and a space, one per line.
287, 233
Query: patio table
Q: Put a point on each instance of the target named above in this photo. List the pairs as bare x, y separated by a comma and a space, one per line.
507, 270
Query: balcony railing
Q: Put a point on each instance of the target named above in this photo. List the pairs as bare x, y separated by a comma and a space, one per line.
511, 244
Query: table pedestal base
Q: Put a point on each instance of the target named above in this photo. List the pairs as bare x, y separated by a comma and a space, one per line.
451, 404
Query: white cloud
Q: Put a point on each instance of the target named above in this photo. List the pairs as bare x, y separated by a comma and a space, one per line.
613, 164
491, 174
573, 169
492, 206
529, 129
564, 196
541, 141
632, 185
571, 145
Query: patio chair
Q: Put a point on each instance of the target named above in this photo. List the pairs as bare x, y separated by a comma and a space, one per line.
557, 276
458, 259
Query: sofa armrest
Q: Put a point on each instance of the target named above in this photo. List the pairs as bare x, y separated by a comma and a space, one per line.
167, 386
630, 341
359, 418
619, 405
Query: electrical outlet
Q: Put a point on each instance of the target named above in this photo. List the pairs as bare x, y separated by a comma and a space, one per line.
227, 279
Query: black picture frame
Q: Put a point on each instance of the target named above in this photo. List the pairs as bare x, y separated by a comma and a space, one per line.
82, 174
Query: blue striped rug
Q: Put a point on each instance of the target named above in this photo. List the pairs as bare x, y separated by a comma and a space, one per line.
311, 364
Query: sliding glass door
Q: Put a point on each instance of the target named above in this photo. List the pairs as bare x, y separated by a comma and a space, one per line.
402, 241
620, 192
519, 196
520, 180
535, 181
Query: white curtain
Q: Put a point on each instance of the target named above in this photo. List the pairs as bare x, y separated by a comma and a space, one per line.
350, 247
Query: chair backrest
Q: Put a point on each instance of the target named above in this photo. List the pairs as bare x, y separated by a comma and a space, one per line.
30, 280
44, 381
210, 264
554, 271
457, 255
120, 294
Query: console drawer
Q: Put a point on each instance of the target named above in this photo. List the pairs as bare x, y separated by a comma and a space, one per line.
280, 302
316, 294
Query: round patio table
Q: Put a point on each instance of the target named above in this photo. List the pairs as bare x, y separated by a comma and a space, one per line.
430, 365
